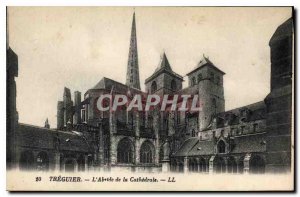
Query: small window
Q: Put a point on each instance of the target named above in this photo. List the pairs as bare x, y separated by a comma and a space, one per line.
153, 87
255, 126
212, 77
193, 81
242, 130
83, 115
173, 85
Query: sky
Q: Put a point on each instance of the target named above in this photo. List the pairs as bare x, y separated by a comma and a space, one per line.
75, 47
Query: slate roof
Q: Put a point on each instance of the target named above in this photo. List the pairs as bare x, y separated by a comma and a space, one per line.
257, 111
250, 143
186, 147
202, 148
40, 137
241, 144
109, 84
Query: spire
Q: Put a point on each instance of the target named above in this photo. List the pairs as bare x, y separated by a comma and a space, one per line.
133, 78
47, 125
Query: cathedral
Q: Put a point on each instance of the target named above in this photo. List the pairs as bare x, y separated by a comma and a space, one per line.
250, 139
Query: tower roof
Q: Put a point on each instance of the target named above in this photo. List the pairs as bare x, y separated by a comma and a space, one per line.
205, 62
163, 67
164, 63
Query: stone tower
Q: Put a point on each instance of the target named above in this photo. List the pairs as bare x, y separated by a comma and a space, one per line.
68, 103
208, 79
164, 80
133, 76
279, 101
77, 108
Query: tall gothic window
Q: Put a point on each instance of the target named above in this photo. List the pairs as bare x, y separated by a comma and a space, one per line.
221, 147
147, 153
173, 85
125, 151
42, 161
153, 87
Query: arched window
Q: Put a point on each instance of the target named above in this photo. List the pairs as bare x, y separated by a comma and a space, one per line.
26, 160
70, 165
257, 165
150, 122
231, 166
199, 77
81, 163
173, 85
147, 153
193, 165
202, 165
42, 161
125, 151
221, 147
193, 81
153, 87
220, 165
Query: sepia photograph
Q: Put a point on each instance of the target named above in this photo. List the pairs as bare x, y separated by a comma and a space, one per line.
150, 98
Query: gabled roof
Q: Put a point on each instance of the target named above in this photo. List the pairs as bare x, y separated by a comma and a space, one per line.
164, 67
204, 62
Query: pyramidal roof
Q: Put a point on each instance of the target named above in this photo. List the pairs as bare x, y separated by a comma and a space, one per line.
164, 63
163, 66
204, 62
